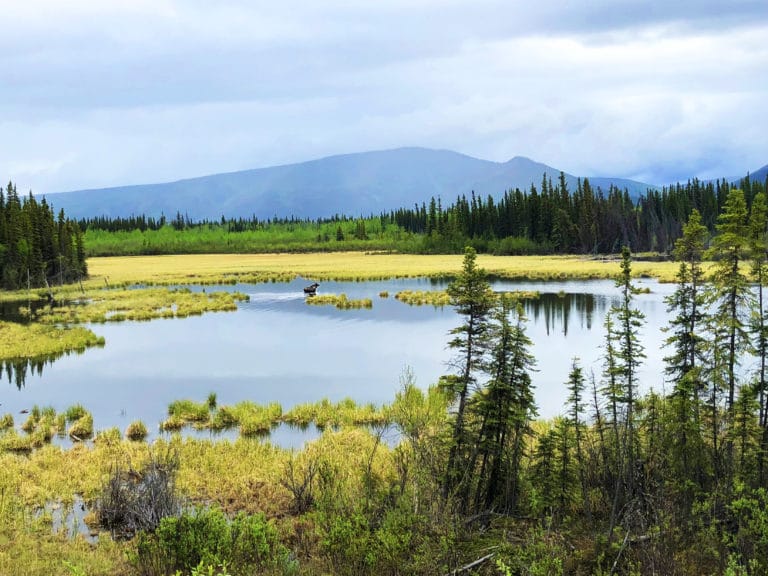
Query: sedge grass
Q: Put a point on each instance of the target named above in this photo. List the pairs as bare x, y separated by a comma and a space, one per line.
189, 410
38, 340
252, 419
75, 412
6, 422
110, 436
440, 298
340, 301
421, 297
241, 475
103, 305
82, 428
136, 431
350, 266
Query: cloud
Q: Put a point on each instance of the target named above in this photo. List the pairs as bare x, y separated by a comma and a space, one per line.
109, 93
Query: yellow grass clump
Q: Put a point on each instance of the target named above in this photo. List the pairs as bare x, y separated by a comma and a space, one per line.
350, 266
102, 305
136, 431
422, 297
38, 340
340, 301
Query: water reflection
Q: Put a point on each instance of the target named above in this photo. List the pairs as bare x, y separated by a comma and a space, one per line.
276, 348
20, 311
557, 310
16, 371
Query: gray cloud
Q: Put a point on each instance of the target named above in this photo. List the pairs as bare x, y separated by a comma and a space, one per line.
97, 94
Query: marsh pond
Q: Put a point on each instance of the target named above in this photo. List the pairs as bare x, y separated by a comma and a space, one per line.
276, 348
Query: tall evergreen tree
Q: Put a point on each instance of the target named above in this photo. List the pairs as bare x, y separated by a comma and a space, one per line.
472, 297
505, 407
730, 288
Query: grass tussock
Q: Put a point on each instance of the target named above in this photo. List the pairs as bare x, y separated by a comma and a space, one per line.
110, 436
521, 294
252, 419
423, 297
439, 298
136, 431
325, 414
40, 340
340, 301
42, 424
6, 422
82, 428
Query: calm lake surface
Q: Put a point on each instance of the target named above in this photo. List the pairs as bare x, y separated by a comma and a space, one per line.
278, 348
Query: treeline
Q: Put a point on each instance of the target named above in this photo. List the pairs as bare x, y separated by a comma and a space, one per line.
37, 247
184, 222
554, 219
109, 237
547, 219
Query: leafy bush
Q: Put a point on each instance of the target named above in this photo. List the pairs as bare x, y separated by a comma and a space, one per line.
247, 544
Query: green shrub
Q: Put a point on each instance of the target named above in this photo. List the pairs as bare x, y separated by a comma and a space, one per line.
246, 544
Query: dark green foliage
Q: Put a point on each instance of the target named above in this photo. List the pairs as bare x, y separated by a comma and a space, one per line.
36, 248
246, 544
504, 407
730, 288
548, 219
471, 296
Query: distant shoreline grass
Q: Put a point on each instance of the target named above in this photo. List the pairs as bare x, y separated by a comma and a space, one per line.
34, 340
352, 266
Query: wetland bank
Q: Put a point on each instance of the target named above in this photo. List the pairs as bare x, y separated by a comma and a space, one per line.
362, 495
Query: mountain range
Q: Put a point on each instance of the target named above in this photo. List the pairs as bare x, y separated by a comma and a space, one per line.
350, 184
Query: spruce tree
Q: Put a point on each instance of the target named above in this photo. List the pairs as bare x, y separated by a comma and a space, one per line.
730, 287
471, 296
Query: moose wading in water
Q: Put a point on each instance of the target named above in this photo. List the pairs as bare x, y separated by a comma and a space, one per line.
311, 289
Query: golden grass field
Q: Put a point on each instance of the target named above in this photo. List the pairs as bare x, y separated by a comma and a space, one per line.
212, 268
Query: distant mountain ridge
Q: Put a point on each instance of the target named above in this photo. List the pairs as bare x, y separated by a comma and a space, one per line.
758, 175
350, 184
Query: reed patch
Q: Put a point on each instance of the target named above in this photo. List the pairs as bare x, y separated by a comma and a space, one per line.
340, 301
35, 340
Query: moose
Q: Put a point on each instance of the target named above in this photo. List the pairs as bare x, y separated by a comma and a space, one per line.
311, 289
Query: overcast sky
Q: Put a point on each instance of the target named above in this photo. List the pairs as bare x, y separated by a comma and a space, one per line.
99, 93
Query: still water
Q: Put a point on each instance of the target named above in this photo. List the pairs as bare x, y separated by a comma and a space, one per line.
277, 348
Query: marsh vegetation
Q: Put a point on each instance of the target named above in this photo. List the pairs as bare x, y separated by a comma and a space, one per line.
626, 480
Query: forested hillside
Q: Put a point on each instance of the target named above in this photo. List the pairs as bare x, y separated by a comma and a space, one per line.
545, 219
37, 247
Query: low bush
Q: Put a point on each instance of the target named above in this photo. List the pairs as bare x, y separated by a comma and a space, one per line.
138, 500
246, 544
